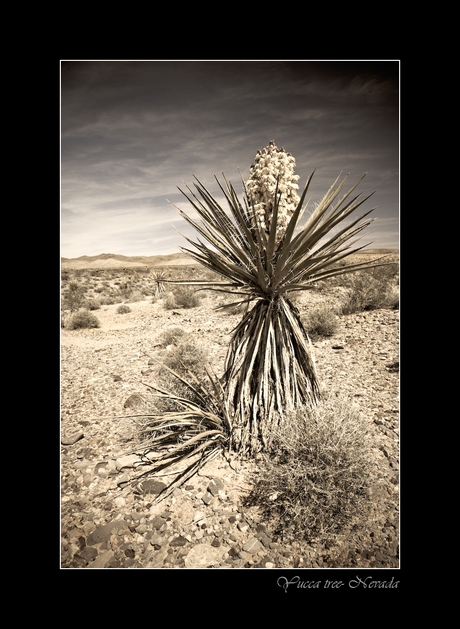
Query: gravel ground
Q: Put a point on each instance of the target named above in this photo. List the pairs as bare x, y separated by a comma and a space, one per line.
105, 524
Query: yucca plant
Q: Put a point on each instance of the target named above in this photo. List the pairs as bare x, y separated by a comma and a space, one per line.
193, 433
262, 253
158, 277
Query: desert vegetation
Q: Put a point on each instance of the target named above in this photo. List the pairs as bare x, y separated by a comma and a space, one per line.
261, 266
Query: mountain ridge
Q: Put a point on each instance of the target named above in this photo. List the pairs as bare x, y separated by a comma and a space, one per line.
115, 260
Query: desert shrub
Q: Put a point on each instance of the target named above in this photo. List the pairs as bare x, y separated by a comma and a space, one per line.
136, 295
320, 322
83, 319
93, 304
74, 297
107, 300
123, 309
186, 355
169, 301
183, 296
369, 290
317, 475
172, 336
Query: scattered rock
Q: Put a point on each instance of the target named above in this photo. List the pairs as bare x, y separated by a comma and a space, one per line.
93, 399
207, 498
156, 558
134, 401
103, 533
69, 440
127, 461
215, 486
152, 486
202, 556
88, 553
253, 545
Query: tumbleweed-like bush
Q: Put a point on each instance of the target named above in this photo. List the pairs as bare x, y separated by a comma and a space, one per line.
83, 319
316, 477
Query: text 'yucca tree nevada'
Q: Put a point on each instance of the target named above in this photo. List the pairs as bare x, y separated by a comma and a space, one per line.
262, 254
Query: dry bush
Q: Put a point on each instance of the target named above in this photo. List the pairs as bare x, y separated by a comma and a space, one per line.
123, 309
172, 336
183, 357
169, 301
93, 304
317, 476
74, 297
181, 297
369, 290
186, 355
82, 319
136, 295
320, 322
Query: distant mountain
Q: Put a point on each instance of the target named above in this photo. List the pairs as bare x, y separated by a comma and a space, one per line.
116, 261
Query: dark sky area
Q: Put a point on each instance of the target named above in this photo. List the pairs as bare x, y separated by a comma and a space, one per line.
132, 131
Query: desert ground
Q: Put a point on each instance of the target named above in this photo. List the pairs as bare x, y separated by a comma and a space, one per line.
206, 522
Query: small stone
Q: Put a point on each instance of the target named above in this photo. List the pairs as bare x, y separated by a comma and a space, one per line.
122, 480
127, 461
252, 545
202, 556
199, 515
207, 498
152, 486
157, 558
120, 502
102, 560
243, 526
215, 486
117, 378
103, 533
157, 522
266, 541
69, 440
88, 553
178, 541
134, 401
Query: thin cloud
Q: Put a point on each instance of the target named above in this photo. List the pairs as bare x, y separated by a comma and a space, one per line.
131, 132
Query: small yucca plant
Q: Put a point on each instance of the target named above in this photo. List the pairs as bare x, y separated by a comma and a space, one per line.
195, 431
159, 278
256, 250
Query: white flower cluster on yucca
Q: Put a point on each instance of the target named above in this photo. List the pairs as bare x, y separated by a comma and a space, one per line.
262, 254
271, 173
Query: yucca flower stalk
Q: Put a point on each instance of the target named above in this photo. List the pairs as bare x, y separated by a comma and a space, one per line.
262, 254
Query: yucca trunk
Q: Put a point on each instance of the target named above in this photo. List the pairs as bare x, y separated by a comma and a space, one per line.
269, 370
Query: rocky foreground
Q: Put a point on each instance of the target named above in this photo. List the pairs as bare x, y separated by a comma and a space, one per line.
204, 524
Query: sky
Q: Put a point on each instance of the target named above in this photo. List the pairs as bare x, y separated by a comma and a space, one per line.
132, 131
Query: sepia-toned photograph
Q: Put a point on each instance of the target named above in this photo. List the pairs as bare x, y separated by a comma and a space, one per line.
229, 306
